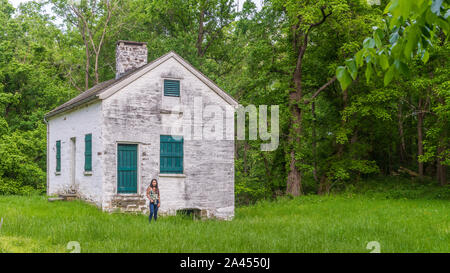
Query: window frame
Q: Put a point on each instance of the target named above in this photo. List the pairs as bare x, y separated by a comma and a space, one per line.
88, 154
58, 157
173, 80
161, 155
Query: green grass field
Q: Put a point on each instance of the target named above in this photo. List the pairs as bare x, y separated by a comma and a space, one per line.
337, 223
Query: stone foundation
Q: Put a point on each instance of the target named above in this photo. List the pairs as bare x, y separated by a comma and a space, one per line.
194, 213
138, 204
129, 203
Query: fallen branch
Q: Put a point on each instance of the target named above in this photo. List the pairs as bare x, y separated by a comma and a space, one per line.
408, 171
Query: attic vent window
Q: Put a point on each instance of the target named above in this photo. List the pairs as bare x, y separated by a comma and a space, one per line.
171, 88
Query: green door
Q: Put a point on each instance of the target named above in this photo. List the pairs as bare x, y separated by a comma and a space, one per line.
127, 168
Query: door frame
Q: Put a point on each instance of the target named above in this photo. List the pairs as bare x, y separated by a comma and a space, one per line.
138, 168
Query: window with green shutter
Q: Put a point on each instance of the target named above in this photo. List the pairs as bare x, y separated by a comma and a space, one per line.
171, 154
171, 88
88, 152
58, 155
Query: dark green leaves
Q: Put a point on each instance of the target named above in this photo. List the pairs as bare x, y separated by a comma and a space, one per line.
369, 72
344, 77
401, 67
369, 43
425, 56
393, 38
378, 36
411, 41
352, 69
389, 75
413, 26
384, 61
359, 58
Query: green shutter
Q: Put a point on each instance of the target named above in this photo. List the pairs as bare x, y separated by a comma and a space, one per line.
171, 154
58, 155
171, 88
88, 152
127, 168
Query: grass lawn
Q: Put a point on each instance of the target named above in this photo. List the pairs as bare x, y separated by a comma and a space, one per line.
339, 223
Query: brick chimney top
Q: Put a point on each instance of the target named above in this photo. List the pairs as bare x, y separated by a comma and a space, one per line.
130, 55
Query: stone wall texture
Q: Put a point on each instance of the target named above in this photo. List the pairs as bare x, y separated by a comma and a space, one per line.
129, 56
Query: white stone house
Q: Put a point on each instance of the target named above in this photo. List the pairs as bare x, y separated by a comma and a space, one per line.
163, 120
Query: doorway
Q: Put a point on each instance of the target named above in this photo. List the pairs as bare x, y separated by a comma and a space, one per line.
73, 162
127, 168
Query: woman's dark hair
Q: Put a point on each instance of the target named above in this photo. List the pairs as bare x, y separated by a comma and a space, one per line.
151, 184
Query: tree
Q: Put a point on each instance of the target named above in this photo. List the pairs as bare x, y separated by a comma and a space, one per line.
412, 29
306, 21
93, 20
31, 82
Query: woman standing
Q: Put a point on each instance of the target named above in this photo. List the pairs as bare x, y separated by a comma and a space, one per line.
153, 196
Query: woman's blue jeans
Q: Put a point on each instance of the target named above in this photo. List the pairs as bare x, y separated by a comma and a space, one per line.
153, 211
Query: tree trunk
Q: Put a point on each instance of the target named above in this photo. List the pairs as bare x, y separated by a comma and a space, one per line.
266, 166
200, 33
299, 45
401, 134
236, 148
345, 102
420, 116
86, 48
7, 110
88, 36
324, 185
441, 171
294, 179
96, 66
294, 185
245, 158
314, 142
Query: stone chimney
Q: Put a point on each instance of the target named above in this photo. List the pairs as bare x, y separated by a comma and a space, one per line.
129, 56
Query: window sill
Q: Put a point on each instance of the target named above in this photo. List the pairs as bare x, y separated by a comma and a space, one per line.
181, 175
130, 195
57, 173
87, 173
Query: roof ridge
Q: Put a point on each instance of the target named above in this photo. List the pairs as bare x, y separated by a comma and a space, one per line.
95, 91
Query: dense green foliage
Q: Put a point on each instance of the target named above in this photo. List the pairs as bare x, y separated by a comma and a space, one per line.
339, 223
412, 27
31, 83
286, 53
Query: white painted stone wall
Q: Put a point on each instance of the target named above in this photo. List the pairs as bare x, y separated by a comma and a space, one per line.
136, 113
63, 127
